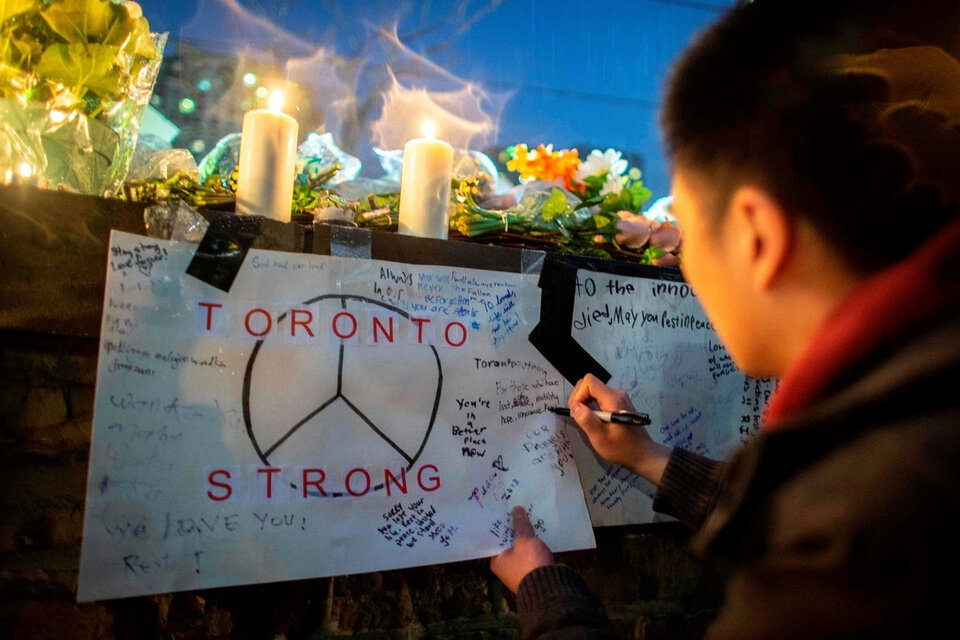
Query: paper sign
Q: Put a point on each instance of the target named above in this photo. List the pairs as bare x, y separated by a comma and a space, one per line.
326, 416
658, 344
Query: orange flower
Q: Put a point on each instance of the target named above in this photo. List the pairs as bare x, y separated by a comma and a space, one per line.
545, 164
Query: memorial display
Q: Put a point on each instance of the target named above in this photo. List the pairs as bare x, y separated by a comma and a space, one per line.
263, 411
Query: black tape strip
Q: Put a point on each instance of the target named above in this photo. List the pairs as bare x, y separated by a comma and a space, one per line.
551, 336
224, 246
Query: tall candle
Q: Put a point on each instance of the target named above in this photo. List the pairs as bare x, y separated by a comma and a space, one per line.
425, 187
268, 158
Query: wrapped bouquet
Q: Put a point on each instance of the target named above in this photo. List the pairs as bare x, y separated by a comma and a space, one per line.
75, 79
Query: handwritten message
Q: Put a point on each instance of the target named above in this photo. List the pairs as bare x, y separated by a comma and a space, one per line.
326, 416
660, 347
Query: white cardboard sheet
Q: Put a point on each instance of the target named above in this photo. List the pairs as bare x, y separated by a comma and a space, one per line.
222, 458
654, 338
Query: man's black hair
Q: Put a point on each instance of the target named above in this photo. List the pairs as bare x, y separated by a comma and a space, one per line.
758, 99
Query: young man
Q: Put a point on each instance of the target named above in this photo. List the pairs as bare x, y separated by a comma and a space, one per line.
816, 153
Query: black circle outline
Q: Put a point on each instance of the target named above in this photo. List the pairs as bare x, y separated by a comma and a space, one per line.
248, 374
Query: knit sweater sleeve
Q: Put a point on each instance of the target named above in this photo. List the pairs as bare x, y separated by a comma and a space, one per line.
554, 603
690, 487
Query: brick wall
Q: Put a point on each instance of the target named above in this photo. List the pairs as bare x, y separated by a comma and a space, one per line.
52, 251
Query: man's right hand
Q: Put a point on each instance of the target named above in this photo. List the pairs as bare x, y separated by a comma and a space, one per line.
628, 446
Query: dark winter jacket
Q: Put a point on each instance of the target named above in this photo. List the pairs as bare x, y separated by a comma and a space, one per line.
842, 520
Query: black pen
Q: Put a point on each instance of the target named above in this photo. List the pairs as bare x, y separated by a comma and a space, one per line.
621, 417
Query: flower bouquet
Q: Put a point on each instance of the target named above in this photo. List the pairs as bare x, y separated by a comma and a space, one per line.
75, 79
588, 207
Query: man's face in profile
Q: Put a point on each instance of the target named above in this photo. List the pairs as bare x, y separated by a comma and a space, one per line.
709, 264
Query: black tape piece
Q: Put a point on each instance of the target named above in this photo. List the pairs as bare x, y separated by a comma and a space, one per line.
551, 336
223, 248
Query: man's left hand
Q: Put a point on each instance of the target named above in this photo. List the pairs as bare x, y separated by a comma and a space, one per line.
528, 553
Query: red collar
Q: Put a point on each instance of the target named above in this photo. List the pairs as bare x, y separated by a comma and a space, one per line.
881, 311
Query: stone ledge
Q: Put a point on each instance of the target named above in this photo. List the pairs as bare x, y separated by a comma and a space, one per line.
55, 255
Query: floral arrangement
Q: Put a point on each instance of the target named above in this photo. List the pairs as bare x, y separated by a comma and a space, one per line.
587, 207
75, 76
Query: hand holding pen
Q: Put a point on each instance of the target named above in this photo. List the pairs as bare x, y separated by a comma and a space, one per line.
621, 439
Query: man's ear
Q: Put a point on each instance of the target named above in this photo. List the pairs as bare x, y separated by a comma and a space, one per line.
764, 234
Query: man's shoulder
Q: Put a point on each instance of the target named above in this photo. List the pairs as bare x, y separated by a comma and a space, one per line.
896, 425
881, 453
893, 479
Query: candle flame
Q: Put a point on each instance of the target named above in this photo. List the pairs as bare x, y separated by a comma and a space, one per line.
429, 129
276, 100
25, 170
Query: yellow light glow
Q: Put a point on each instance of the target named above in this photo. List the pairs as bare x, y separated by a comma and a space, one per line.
56, 117
134, 10
429, 129
26, 170
262, 92
276, 100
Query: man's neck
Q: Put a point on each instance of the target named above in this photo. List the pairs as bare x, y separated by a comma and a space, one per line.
811, 290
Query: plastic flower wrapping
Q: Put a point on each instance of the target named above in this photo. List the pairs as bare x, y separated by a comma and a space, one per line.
75, 79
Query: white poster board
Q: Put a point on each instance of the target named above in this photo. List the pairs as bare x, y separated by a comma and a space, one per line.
326, 416
654, 339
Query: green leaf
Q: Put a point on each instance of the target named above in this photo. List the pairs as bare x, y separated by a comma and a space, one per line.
601, 221
653, 252
131, 36
596, 181
10, 8
638, 194
82, 67
82, 20
590, 251
611, 203
555, 205
592, 186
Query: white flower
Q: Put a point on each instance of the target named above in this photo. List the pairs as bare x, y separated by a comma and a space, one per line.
598, 163
613, 184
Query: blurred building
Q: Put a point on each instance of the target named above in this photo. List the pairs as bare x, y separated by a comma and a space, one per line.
205, 93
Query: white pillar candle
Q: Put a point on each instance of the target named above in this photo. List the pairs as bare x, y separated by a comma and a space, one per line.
425, 187
268, 158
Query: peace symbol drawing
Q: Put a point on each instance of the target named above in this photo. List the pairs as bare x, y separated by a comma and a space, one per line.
341, 404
